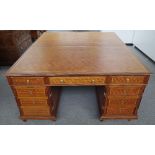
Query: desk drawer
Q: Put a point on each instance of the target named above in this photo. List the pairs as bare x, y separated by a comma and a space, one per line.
125, 105
128, 79
122, 101
22, 91
82, 80
26, 80
120, 111
35, 111
33, 102
125, 90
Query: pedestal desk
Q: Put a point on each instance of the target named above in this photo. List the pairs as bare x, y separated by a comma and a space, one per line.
59, 59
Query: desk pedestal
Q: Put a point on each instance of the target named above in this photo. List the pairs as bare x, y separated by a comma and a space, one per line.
119, 102
37, 102
118, 96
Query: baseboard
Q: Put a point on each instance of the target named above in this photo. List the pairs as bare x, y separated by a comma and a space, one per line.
144, 54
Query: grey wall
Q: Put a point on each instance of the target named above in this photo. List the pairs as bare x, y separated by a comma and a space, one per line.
145, 41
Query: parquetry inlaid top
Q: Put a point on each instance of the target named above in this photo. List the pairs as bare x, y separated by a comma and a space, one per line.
77, 53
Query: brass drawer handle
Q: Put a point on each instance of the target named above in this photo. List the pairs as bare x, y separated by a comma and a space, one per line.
93, 81
128, 80
62, 81
28, 81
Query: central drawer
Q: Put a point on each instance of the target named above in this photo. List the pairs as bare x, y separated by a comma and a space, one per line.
82, 80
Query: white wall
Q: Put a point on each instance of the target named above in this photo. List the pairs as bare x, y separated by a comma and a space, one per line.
145, 41
125, 35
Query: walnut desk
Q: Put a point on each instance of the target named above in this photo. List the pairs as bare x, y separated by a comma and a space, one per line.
78, 59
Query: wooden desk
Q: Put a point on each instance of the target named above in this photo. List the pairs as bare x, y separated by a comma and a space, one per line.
78, 59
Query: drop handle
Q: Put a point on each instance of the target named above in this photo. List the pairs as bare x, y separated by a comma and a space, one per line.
127, 79
93, 81
62, 81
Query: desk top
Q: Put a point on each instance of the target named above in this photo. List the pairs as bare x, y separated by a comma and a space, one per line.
79, 39
77, 53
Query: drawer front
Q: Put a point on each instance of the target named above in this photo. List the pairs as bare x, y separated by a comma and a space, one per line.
31, 91
125, 90
77, 80
35, 111
120, 111
27, 80
128, 79
123, 102
33, 102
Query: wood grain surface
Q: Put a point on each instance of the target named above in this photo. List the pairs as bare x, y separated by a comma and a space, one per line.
79, 39
110, 57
